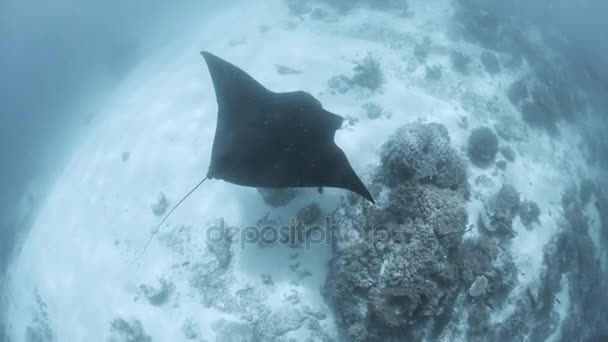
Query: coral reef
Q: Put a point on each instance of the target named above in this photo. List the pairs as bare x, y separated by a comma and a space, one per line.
508, 153
499, 211
501, 164
422, 153
394, 271
269, 326
298, 7
508, 198
460, 62
477, 23
482, 257
127, 331
490, 25
544, 98
125, 156
234, 331
39, 329
374, 111
367, 76
573, 211
579, 262
585, 191
518, 92
282, 321
484, 181
490, 62
318, 14
309, 214
463, 122
478, 320
220, 247
340, 84
482, 147
267, 279
157, 296
254, 319
161, 205
536, 112
433, 72
529, 213
191, 329
278, 197
441, 209
211, 281
601, 205
318, 313
421, 50
478, 287
570, 255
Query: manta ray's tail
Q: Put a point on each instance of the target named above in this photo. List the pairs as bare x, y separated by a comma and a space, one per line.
170, 212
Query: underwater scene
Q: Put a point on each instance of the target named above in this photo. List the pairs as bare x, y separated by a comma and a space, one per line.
304, 170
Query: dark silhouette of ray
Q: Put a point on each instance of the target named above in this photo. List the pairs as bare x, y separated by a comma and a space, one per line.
266, 139
274, 140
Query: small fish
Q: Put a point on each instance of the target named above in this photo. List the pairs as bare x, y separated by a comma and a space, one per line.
597, 205
529, 294
557, 300
489, 305
320, 190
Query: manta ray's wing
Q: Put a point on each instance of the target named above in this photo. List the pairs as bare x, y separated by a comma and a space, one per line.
274, 140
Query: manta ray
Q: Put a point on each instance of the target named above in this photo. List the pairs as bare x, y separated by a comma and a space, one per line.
269, 139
